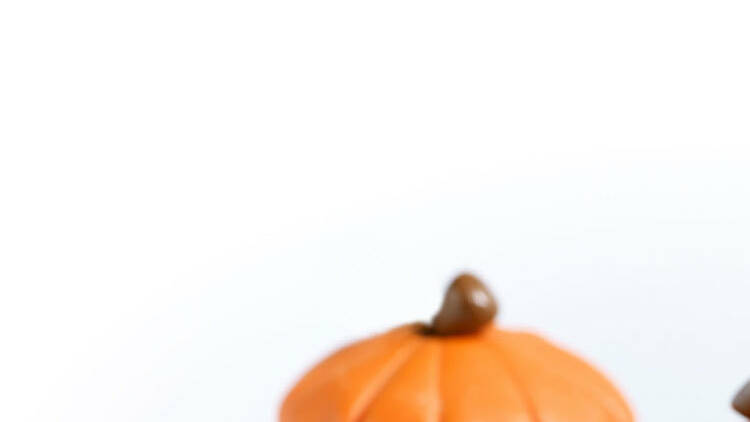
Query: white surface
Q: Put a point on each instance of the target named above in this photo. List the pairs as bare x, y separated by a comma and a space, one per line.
174, 173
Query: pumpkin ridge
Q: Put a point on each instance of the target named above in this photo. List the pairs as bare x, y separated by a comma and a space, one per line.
613, 408
328, 375
531, 409
596, 395
368, 394
438, 381
618, 405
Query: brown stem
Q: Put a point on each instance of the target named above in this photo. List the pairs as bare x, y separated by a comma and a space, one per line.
741, 401
468, 306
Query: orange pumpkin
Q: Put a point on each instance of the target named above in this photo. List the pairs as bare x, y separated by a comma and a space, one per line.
461, 368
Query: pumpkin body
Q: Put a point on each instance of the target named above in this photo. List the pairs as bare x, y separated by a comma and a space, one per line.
492, 375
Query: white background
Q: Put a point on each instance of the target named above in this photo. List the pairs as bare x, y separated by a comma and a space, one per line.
200, 199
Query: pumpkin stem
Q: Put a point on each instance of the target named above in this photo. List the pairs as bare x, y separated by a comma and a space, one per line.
741, 401
468, 306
